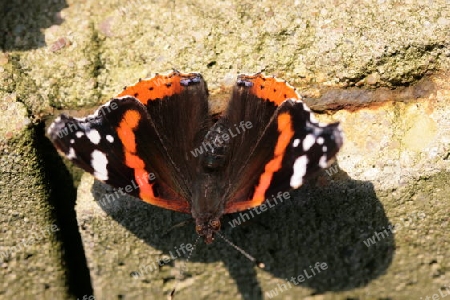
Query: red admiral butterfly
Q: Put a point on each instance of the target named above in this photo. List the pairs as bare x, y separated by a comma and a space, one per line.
158, 141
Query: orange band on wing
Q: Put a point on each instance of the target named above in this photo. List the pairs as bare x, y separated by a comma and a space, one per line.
157, 87
286, 134
133, 161
271, 89
145, 188
125, 131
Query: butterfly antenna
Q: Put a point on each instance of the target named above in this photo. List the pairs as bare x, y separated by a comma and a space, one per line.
183, 268
251, 258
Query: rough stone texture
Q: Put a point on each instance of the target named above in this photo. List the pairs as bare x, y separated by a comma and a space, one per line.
379, 67
30, 252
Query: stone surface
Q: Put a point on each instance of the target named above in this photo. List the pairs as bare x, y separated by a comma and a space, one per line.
379, 67
30, 250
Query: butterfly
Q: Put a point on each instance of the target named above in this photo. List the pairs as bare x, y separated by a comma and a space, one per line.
158, 141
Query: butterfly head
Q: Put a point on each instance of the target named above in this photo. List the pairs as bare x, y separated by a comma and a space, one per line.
207, 228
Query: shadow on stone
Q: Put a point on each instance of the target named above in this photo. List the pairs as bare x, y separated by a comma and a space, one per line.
329, 224
21, 22
62, 198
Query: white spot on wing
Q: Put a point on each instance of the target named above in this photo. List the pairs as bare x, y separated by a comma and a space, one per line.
79, 134
93, 136
324, 148
98, 163
71, 154
295, 143
110, 138
72, 141
299, 172
320, 140
323, 161
308, 142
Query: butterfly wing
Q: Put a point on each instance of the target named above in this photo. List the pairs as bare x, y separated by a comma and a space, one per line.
284, 145
139, 142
